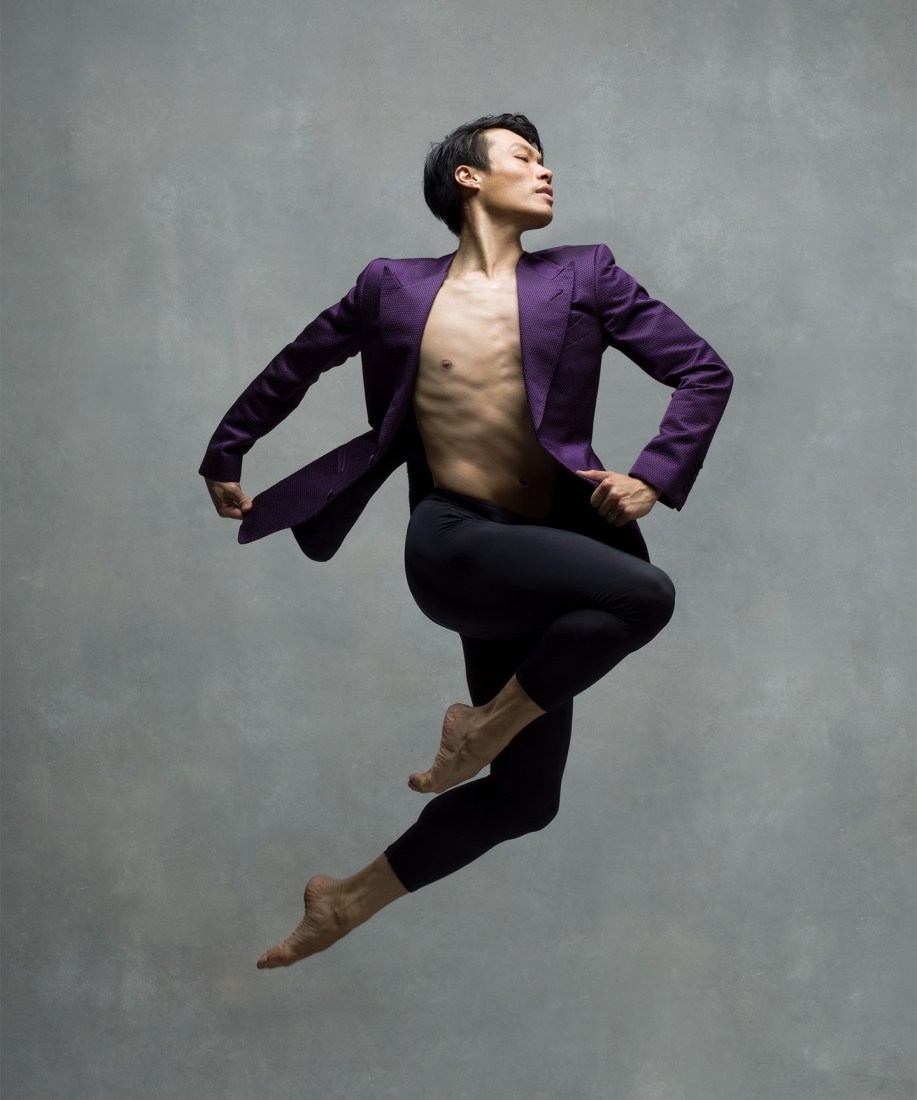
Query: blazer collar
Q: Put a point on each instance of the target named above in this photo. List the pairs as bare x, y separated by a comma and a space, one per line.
405, 298
544, 290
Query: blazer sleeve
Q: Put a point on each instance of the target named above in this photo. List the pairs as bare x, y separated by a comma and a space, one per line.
333, 337
655, 338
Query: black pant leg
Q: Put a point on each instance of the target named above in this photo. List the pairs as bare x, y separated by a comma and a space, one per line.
580, 605
521, 793
590, 603
530, 769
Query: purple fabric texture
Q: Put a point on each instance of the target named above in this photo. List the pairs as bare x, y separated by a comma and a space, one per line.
574, 302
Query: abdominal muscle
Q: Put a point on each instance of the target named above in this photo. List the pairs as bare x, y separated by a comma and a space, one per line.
470, 400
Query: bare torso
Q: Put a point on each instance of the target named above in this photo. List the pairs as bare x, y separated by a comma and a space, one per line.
470, 400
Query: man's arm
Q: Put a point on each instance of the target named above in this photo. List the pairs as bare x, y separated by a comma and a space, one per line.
333, 337
655, 338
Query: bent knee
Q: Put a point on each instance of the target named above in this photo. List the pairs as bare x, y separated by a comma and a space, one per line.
534, 815
660, 596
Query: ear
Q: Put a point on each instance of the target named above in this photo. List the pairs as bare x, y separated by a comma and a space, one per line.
468, 177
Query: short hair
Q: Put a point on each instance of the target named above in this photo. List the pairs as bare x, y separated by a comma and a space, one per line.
465, 145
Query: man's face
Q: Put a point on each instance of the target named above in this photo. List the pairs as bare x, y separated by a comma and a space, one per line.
517, 189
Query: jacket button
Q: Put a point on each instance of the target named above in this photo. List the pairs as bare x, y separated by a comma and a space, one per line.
330, 494
371, 460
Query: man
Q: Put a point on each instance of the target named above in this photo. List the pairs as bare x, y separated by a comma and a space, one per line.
481, 373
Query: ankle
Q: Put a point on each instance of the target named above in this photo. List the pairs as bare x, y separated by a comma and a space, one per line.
368, 891
510, 710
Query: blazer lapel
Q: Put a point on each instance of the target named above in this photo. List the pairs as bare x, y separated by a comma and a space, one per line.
404, 305
544, 291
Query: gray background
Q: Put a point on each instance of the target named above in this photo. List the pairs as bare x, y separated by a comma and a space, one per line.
724, 908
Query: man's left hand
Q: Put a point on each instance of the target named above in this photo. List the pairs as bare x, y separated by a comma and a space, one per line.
619, 498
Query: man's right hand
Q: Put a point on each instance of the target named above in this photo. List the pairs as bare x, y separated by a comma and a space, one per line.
228, 498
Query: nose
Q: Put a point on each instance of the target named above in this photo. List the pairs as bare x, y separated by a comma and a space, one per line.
545, 173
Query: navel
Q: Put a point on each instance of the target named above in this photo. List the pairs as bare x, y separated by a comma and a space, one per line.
446, 364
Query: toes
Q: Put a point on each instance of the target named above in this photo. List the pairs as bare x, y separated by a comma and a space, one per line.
274, 957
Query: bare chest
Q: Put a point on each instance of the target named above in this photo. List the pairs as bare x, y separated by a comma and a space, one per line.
471, 338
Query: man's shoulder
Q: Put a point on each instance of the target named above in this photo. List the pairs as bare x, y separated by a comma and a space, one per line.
417, 265
577, 254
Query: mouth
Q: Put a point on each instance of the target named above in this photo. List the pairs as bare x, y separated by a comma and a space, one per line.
549, 191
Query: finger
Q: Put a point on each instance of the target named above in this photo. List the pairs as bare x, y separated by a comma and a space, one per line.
595, 475
610, 505
237, 502
233, 504
599, 496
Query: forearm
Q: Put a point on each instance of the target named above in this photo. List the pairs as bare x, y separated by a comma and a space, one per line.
675, 455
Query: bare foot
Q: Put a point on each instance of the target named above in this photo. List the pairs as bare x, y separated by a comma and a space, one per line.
324, 923
464, 750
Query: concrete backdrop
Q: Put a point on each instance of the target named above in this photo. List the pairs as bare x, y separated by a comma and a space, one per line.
724, 908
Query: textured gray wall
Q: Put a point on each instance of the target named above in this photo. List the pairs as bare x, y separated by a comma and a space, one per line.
724, 908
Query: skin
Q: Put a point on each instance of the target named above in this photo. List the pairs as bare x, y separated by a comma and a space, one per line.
473, 416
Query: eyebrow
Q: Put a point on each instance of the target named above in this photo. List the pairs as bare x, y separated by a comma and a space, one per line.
528, 149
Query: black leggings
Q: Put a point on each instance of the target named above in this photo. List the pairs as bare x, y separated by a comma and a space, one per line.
538, 599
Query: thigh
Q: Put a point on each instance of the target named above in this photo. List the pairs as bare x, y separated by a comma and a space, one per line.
494, 580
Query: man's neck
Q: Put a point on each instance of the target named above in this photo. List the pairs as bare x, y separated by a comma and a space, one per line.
488, 250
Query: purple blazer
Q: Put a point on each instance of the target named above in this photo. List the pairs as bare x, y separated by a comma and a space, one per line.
574, 302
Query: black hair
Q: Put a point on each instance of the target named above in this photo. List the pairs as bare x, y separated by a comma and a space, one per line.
465, 145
